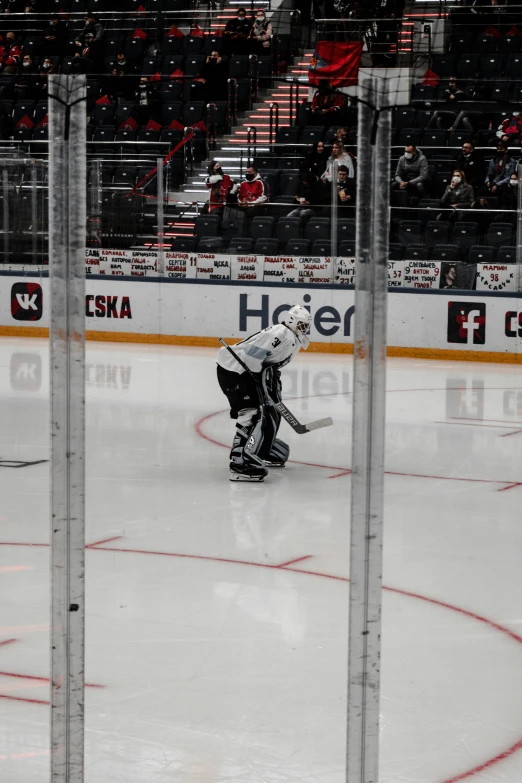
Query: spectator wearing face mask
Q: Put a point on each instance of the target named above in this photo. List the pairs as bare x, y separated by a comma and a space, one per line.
25, 81
458, 193
47, 67
222, 187
54, 37
500, 169
236, 33
411, 174
261, 33
471, 162
253, 194
122, 64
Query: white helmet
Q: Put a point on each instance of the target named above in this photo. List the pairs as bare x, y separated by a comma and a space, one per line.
299, 321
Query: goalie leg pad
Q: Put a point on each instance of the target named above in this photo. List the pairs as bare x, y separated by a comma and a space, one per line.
279, 454
245, 463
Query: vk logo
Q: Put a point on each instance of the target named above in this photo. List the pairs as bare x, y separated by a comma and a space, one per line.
26, 301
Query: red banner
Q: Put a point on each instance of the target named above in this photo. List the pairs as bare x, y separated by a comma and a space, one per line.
338, 62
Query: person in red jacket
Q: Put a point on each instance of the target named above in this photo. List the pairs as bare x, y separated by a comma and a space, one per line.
511, 129
327, 105
221, 186
10, 51
253, 193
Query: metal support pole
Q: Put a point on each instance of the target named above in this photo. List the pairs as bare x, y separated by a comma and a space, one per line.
519, 231
7, 225
34, 213
160, 203
67, 218
368, 433
334, 197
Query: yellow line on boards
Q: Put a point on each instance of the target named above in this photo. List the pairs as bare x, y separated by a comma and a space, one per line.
449, 354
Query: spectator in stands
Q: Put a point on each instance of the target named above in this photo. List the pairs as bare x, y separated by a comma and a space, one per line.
25, 81
236, 33
222, 187
327, 105
510, 131
261, 33
253, 193
122, 63
213, 77
306, 195
7, 82
10, 51
149, 100
40, 88
455, 93
472, 164
54, 37
339, 157
508, 195
500, 169
458, 193
345, 188
411, 174
317, 160
6, 123
93, 27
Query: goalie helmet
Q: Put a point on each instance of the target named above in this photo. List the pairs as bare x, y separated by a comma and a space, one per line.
299, 320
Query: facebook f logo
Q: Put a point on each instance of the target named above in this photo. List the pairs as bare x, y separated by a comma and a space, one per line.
26, 301
467, 323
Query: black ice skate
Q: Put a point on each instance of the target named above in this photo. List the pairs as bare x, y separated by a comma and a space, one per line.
247, 473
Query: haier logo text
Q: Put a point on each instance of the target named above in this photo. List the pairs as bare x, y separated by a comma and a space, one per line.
467, 323
26, 301
327, 320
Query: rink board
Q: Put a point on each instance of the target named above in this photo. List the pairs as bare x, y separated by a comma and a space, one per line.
432, 323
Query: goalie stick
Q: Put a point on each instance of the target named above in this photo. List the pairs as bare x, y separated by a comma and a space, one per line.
287, 415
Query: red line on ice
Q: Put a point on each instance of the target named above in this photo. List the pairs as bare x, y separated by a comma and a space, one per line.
198, 426
408, 594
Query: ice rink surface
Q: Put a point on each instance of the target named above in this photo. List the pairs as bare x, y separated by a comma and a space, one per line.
217, 612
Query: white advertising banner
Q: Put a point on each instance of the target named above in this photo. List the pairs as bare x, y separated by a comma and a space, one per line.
496, 277
345, 271
281, 269
92, 262
247, 268
213, 266
116, 262
144, 263
180, 265
434, 320
395, 273
315, 269
421, 274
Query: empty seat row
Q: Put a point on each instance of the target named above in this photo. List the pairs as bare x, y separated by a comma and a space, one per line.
262, 246
283, 229
468, 66
463, 234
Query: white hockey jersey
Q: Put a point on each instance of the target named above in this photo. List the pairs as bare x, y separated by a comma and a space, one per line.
273, 347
